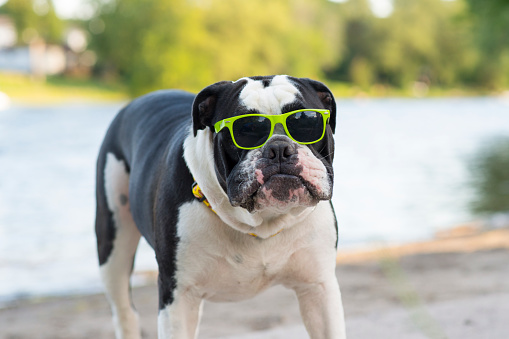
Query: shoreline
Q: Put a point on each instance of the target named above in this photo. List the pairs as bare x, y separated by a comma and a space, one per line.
367, 254
20, 89
456, 240
457, 286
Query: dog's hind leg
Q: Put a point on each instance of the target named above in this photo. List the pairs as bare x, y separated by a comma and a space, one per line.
117, 241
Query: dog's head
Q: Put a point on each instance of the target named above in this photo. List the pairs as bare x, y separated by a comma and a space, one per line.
281, 174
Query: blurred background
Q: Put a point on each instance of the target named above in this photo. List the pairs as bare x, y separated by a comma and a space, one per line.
360, 47
422, 86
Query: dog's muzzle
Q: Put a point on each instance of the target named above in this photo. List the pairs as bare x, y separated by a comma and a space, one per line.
281, 175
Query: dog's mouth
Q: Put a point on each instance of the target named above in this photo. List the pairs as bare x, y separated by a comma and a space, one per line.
283, 186
281, 192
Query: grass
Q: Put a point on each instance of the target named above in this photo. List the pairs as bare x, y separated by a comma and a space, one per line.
346, 90
58, 89
22, 88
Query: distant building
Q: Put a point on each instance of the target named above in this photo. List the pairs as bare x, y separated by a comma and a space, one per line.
38, 59
41, 59
7, 32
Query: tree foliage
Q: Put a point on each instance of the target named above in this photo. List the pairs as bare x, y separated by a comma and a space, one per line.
490, 170
34, 18
422, 40
189, 44
491, 20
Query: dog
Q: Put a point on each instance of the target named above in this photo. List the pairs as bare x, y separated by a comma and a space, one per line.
231, 188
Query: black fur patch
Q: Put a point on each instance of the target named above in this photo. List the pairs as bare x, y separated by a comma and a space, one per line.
148, 136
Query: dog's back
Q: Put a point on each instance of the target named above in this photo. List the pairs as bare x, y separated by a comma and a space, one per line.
141, 133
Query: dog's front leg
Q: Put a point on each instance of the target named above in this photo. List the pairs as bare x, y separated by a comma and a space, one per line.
322, 310
179, 320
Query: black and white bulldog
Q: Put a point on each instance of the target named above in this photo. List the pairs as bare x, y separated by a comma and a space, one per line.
225, 222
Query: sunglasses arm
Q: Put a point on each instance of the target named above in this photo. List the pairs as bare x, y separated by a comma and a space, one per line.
220, 125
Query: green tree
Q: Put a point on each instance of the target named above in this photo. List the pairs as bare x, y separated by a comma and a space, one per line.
189, 44
358, 27
34, 18
422, 39
490, 172
491, 30
425, 40
361, 72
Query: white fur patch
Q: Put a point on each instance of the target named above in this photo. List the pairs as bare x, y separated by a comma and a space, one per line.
247, 169
116, 271
180, 319
198, 154
270, 99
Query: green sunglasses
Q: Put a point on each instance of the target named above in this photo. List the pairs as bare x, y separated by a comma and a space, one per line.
250, 131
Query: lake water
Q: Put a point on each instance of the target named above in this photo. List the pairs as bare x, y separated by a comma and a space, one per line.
400, 175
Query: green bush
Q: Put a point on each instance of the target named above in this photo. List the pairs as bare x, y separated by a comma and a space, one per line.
490, 170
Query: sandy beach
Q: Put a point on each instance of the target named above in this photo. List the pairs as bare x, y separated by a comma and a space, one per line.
453, 287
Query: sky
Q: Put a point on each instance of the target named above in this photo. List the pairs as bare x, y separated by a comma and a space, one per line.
71, 8
78, 9
67, 9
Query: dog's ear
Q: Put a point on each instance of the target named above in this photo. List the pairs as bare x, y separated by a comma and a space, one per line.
204, 105
325, 96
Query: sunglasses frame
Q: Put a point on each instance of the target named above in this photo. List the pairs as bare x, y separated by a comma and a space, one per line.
274, 119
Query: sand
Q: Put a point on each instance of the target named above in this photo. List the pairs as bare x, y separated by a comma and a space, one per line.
448, 288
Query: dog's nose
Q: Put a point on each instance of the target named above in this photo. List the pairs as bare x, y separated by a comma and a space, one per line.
279, 150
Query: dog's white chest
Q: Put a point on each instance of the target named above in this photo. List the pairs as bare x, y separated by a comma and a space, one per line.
238, 276
221, 264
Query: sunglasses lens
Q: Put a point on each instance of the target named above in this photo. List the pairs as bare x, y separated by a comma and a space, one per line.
305, 127
251, 131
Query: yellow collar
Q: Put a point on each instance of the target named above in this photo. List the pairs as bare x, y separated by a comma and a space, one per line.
200, 196
197, 192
